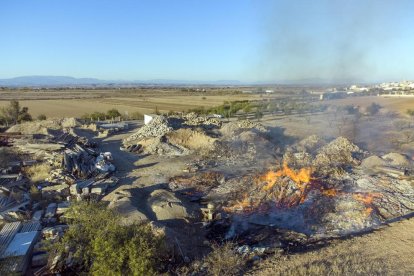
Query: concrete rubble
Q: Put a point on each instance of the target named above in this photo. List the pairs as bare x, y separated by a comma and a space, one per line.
320, 189
174, 135
73, 170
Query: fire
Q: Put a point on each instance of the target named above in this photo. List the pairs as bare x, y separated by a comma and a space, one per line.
330, 192
367, 199
300, 178
280, 192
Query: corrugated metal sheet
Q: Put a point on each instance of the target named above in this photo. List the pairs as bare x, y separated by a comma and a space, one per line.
31, 226
21, 244
7, 234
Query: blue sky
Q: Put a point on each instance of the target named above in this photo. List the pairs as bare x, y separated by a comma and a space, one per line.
208, 40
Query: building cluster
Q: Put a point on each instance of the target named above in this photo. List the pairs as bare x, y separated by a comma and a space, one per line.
397, 86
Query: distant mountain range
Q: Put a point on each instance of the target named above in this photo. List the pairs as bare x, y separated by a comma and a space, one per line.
65, 81
62, 81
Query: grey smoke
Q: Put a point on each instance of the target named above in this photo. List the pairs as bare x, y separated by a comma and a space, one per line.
293, 51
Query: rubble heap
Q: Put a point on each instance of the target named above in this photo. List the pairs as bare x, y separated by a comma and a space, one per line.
157, 127
304, 196
174, 135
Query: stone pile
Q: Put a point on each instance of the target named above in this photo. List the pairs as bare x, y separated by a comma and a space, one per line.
157, 127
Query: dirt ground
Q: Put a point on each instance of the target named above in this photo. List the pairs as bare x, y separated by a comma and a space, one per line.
392, 104
390, 246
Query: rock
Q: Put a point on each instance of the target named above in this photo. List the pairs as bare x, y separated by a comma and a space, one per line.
129, 212
372, 162
396, 159
166, 206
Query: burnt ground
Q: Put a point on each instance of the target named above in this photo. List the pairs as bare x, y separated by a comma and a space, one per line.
140, 175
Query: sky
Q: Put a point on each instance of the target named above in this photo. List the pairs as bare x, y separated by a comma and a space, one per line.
245, 40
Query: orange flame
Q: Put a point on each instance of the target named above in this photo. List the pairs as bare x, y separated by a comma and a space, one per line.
330, 192
367, 199
300, 178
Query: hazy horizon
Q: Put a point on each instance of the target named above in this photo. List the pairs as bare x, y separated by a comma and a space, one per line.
247, 41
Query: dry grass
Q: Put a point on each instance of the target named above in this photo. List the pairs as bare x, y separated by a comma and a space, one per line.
191, 139
341, 264
387, 251
224, 261
38, 172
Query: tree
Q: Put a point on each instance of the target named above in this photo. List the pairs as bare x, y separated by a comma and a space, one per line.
13, 114
101, 245
258, 114
373, 109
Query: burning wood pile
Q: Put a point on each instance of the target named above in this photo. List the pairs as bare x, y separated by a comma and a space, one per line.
317, 190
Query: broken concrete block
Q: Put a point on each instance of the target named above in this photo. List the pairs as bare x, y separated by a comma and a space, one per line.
85, 190
166, 206
37, 215
62, 207
54, 191
51, 210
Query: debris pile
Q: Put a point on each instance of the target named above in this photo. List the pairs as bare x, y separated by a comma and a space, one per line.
61, 166
341, 190
174, 135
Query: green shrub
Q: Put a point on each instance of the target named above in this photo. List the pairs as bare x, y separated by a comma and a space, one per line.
113, 113
101, 245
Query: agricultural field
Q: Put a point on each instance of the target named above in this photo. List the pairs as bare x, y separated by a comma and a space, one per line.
58, 104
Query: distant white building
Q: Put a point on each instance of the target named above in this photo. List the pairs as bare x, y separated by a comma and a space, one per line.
269, 91
148, 118
356, 88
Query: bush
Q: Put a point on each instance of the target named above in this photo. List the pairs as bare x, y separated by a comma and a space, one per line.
13, 114
101, 245
38, 172
373, 109
224, 261
113, 113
